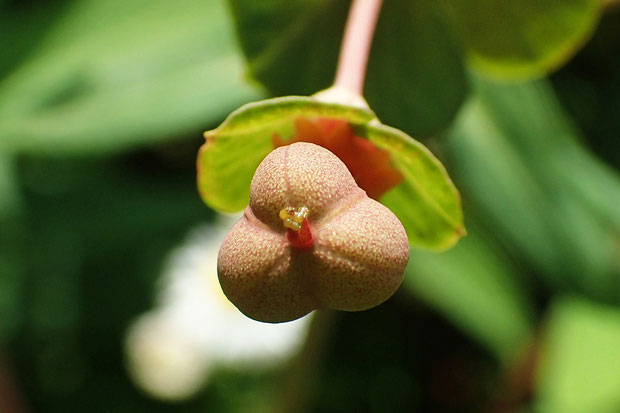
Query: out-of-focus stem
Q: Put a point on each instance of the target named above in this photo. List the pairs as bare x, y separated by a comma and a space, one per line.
609, 5
10, 401
306, 368
356, 42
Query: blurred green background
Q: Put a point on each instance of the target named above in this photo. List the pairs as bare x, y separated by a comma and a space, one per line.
102, 108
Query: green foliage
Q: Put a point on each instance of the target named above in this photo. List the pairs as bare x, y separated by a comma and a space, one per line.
111, 76
85, 258
415, 79
525, 38
426, 202
563, 219
580, 356
101, 108
474, 288
516, 136
291, 46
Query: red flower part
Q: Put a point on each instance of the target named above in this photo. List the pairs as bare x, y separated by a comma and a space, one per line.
369, 165
302, 239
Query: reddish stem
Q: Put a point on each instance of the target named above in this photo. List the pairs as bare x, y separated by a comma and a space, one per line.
356, 42
10, 401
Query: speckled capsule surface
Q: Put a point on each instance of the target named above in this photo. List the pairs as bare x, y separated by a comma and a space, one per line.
310, 238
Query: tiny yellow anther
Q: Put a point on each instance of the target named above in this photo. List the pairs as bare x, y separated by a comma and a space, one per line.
292, 218
284, 214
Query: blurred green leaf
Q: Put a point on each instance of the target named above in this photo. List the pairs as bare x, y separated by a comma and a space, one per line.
475, 287
94, 236
24, 25
11, 230
498, 180
516, 154
291, 46
549, 141
12, 288
427, 202
524, 38
12, 285
415, 78
9, 192
580, 371
118, 74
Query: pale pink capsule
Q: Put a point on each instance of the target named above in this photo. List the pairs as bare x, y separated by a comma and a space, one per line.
310, 238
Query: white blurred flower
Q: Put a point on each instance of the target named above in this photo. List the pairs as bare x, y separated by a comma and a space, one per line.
163, 359
171, 349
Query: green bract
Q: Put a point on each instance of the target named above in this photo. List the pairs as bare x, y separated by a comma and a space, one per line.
426, 201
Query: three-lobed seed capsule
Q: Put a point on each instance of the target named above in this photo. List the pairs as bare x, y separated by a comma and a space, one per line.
310, 238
